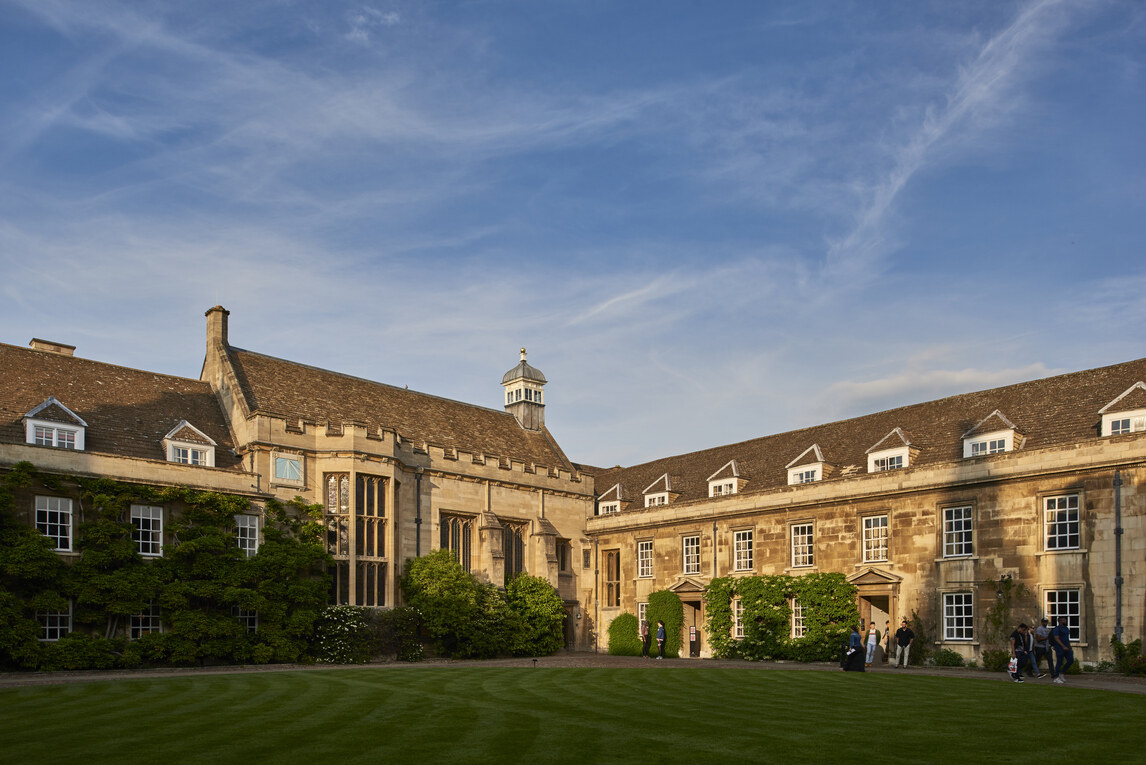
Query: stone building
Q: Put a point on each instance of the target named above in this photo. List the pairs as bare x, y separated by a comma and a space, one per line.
941, 509
402, 473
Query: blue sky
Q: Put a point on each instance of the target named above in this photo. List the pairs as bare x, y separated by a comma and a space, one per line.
706, 221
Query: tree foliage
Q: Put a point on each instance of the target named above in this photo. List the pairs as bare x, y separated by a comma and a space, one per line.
465, 618
540, 616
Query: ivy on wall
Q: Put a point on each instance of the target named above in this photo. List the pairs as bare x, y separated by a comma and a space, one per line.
201, 576
829, 611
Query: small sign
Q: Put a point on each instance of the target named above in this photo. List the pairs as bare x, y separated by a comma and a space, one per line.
692, 633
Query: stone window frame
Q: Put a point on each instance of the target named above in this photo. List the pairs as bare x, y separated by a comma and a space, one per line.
50, 521
247, 533
958, 614
870, 544
147, 533
1046, 525
644, 559
690, 564
54, 625
802, 555
744, 549
947, 533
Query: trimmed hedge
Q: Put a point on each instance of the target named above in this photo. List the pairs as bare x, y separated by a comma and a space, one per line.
624, 636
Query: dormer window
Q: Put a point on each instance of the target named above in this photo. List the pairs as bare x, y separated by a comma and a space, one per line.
878, 464
892, 452
188, 445
53, 424
994, 434
1127, 413
809, 467
802, 475
721, 488
990, 443
659, 492
725, 481
606, 508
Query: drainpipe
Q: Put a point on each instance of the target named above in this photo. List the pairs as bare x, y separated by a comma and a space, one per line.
418, 512
1118, 556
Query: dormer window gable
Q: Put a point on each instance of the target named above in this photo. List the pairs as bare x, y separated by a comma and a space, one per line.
611, 502
725, 481
994, 434
809, 467
188, 445
892, 452
53, 424
1127, 413
659, 492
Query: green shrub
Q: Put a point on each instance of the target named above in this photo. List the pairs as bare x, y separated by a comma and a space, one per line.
945, 657
539, 623
665, 605
1128, 658
397, 631
624, 636
462, 617
345, 635
995, 660
80, 651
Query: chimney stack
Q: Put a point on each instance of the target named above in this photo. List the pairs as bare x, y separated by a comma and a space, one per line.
217, 325
52, 347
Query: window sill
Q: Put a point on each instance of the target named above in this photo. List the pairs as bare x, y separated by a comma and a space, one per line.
1073, 550
952, 641
802, 569
950, 558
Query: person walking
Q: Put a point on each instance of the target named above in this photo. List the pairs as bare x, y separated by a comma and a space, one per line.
872, 642
645, 639
1063, 654
886, 644
660, 639
853, 655
1043, 648
1022, 647
904, 637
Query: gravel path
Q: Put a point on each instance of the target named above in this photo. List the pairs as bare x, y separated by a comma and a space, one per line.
1090, 680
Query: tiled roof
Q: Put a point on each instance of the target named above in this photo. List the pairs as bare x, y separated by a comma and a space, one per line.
1050, 412
127, 411
280, 388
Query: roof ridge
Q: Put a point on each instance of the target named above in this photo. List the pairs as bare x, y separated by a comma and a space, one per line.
398, 388
84, 359
871, 415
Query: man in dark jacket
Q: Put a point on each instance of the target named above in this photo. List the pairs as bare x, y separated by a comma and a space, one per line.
904, 637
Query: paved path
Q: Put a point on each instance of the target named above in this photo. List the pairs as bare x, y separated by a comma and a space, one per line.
1094, 681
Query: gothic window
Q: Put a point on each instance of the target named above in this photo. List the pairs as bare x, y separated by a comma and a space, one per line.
612, 578
457, 531
514, 547
338, 514
370, 521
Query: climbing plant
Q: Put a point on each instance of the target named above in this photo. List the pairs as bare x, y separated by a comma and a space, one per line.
828, 603
198, 583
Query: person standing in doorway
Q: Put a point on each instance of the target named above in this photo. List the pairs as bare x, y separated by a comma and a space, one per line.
904, 637
1063, 655
872, 642
886, 645
645, 639
661, 639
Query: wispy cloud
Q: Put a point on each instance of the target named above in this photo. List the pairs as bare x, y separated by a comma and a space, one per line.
982, 91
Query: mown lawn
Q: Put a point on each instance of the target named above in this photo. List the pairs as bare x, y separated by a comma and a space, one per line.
662, 714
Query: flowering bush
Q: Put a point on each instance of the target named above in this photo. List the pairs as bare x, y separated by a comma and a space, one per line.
344, 635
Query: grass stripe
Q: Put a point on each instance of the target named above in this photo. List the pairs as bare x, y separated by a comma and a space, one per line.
559, 715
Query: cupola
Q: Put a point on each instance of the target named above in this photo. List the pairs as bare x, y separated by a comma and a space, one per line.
523, 397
